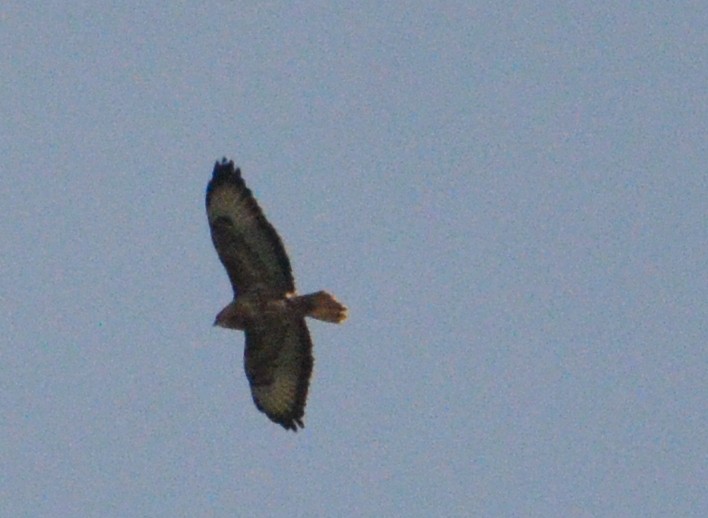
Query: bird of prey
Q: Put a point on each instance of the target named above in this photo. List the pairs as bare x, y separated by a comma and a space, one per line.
278, 352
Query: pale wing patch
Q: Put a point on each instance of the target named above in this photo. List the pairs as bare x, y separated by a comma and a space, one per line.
230, 202
279, 397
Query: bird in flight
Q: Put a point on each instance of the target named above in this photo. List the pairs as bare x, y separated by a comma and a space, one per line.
266, 307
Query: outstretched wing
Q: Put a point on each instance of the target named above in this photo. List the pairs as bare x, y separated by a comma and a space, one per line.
278, 360
248, 246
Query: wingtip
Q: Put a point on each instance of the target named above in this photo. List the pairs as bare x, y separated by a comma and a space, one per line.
225, 167
225, 172
293, 424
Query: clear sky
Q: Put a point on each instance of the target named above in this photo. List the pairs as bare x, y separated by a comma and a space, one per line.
511, 198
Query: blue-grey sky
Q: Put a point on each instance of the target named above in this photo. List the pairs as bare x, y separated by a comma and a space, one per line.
509, 196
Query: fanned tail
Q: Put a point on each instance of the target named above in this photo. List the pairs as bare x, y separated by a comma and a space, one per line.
322, 306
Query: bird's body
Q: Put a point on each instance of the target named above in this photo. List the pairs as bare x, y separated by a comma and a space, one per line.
246, 309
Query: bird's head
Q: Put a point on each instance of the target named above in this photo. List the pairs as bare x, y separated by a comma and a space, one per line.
230, 318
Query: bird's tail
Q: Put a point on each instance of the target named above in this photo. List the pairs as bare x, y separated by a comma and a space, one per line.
322, 306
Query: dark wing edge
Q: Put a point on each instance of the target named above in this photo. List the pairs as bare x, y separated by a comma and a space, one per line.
278, 362
233, 248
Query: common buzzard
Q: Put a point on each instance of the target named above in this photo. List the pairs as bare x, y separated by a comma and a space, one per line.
278, 353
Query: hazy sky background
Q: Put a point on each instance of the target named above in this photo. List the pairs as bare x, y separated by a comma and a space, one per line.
511, 198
